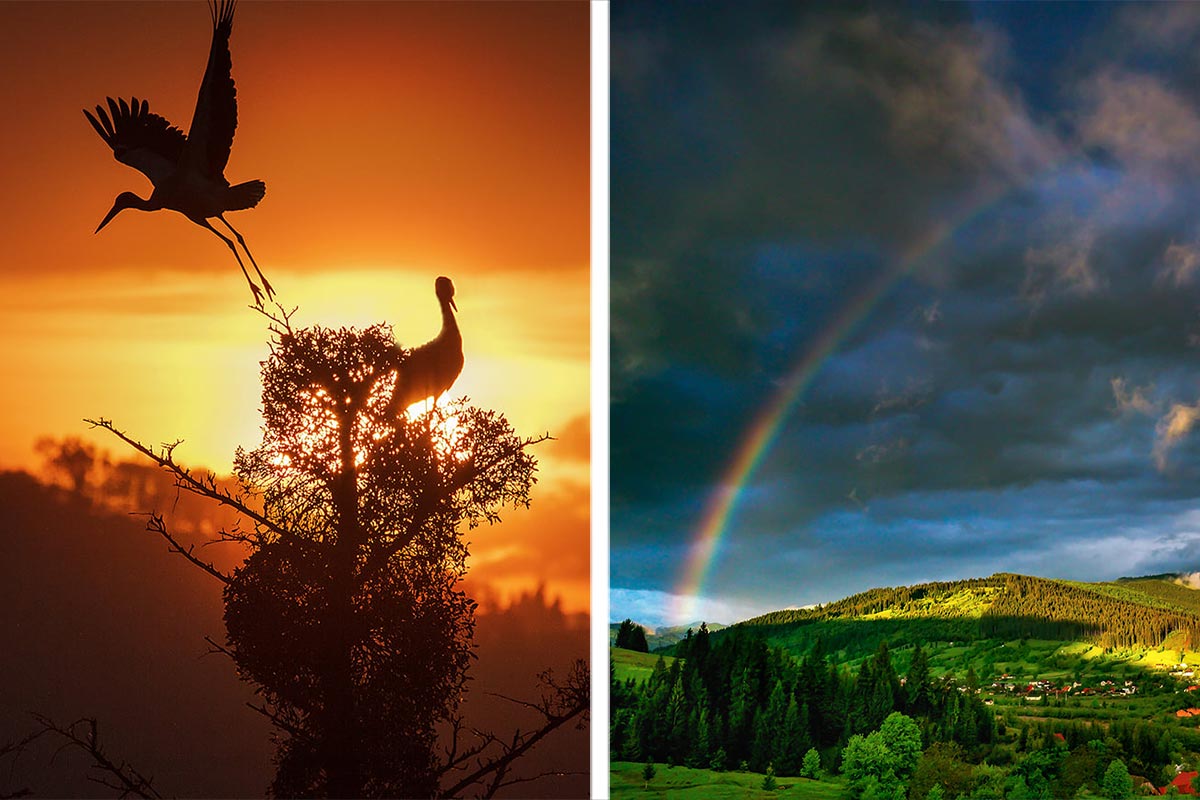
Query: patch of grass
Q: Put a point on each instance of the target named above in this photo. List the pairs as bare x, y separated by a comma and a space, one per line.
684, 783
632, 664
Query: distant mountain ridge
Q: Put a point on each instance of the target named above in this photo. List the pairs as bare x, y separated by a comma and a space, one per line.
666, 635
1150, 611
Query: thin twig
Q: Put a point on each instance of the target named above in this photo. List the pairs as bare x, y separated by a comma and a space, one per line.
564, 703
427, 507
121, 777
217, 649
276, 719
156, 524
540, 776
15, 749
282, 318
205, 487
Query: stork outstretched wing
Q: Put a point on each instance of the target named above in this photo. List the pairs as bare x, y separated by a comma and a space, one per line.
142, 140
215, 118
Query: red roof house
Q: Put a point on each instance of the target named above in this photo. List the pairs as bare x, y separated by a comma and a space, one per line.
1182, 783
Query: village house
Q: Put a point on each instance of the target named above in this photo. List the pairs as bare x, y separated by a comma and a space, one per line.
1182, 784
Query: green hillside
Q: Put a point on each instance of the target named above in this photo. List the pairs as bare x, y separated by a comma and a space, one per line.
632, 664
1167, 591
1013, 686
1131, 614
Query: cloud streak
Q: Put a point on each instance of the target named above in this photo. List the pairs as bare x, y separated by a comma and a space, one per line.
1132, 400
1174, 426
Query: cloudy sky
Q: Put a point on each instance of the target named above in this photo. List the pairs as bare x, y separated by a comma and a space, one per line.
979, 227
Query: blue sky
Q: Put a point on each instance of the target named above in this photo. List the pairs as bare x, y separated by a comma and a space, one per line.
1023, 398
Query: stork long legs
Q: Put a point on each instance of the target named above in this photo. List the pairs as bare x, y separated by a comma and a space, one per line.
242, 242
258, 300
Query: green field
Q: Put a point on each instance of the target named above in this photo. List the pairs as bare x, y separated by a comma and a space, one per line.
1049, 659
683, 783
632, 664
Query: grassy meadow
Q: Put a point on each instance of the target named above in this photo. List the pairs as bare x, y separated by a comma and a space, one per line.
684, 783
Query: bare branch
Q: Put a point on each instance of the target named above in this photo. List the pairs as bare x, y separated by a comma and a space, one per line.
456, 762
225, 536
456, 724
563, 703
121, 777
156, 524
426, 507
216, 649
279, 722
205, 486
540, 776
281, 318
18, 747
15, 749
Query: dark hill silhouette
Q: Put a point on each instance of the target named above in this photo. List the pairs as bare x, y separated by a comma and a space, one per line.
98, 619
514, 645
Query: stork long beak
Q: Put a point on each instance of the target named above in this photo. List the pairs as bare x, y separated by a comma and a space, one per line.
117, 207
453, 304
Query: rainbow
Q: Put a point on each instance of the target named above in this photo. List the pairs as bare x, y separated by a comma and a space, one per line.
720, 508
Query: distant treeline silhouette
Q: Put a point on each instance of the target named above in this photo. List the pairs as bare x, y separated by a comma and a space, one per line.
96, 475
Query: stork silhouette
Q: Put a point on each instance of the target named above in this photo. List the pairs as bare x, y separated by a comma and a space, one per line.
188, 171
433, 367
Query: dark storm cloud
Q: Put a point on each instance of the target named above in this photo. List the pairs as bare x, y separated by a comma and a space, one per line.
722, 143
1027, 384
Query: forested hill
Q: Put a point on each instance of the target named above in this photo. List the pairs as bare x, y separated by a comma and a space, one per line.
1128, 613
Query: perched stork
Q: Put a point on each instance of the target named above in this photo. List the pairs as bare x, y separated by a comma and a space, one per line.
433, 367
188, 172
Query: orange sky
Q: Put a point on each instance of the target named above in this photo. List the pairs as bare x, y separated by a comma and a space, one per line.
398, 142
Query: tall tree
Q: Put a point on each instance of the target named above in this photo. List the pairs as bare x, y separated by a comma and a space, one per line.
1116, 785
631, 636
348, 615
917, 683
791, 745
70, 458
623, 632
880, 764
741, 717
637, 640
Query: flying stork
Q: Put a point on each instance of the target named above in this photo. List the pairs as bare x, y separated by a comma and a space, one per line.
433, 367
187, 171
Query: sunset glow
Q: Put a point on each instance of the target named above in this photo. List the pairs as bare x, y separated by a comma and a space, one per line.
398, 142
